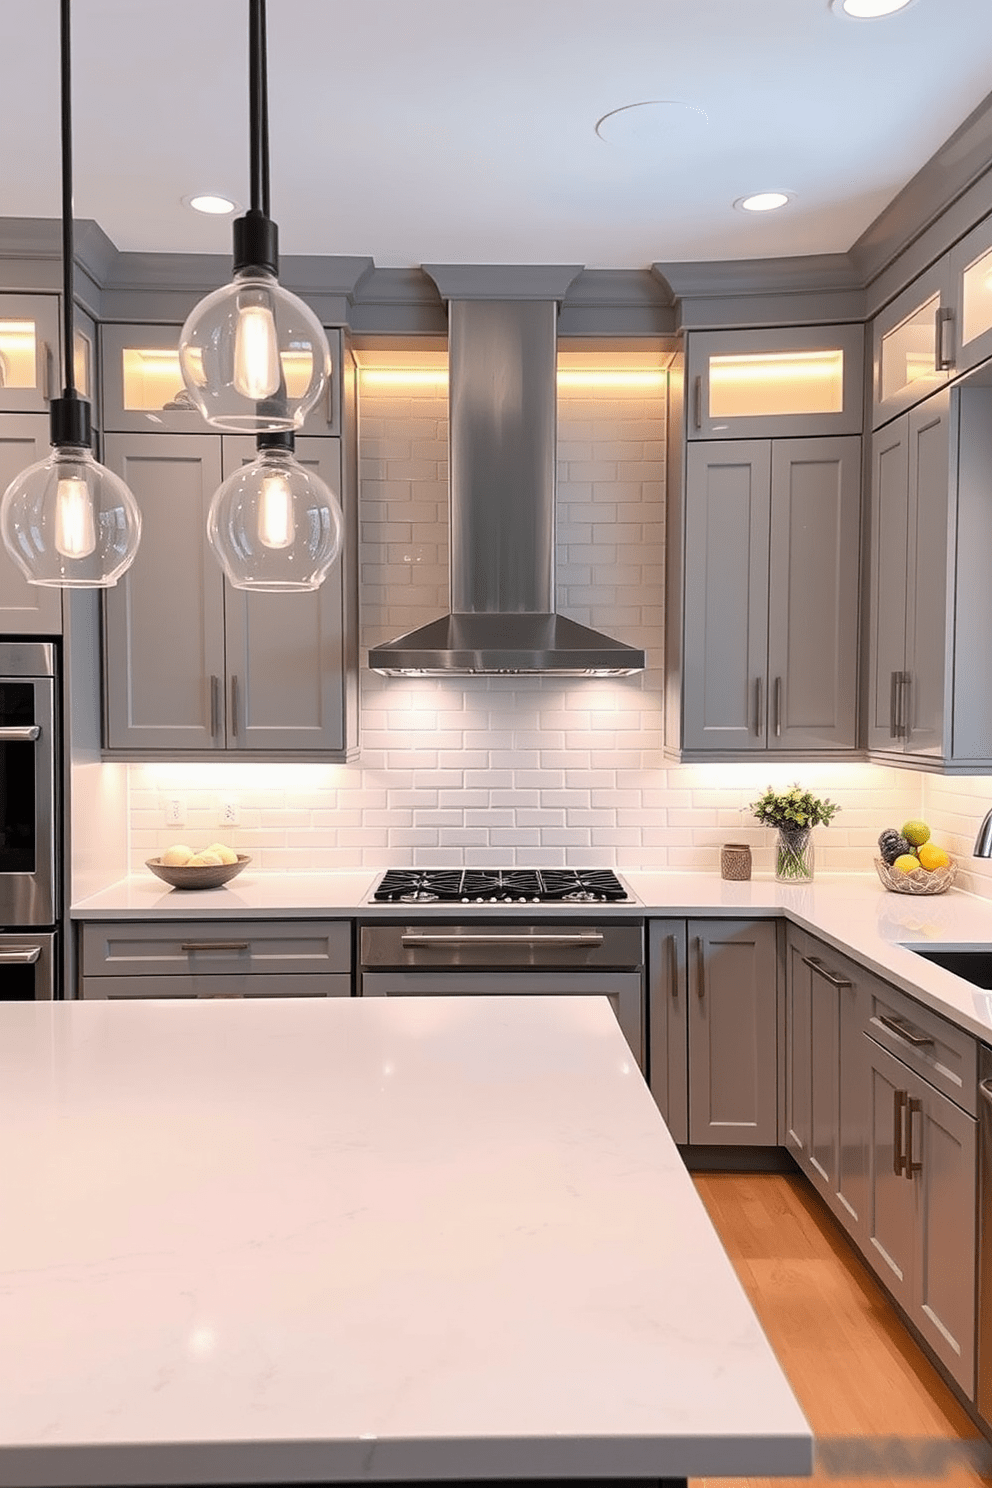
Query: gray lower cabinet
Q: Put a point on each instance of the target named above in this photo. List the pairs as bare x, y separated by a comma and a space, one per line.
770, 650
713, 1022
826, 1121
221, 958
194, 666
25, 609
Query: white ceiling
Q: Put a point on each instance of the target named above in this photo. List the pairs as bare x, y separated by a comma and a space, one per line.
463, 131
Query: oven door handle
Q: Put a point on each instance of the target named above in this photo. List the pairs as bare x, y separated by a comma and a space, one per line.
25, 734
26, 957
580, 938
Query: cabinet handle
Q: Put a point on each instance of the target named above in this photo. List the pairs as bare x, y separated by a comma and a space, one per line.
700, 968
759, 698
20, 733
898, 1156
943, 340
914, 1107
46, 370
29, 956
673, 967
215, 945
893, 689
985, 1090
697, 403
905, 693
214, 707
778, 707
815, 964
905, 1032
235, 706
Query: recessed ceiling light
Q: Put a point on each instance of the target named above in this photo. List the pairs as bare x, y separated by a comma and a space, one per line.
216, 206
868, 10
763, 201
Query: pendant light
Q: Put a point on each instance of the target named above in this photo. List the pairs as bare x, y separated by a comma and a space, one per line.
68, 522
273, 524
253, 356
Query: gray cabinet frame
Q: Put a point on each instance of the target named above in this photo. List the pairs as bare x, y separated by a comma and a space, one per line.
25, 609
45, 311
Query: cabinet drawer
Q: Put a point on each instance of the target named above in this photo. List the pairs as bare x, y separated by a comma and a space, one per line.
945, 1056
205, 949
334, 984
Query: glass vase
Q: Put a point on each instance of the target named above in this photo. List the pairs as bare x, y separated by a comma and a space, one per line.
794, 855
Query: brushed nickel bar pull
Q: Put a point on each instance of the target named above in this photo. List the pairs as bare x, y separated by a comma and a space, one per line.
697, 403
235, 706
893, 705
700, 968
815, 964
914, 1108
580, 938
985, 1090
759, 698
46, 370
900, 1029
673, 968
943, 342
898, 1156
214, 706
778, 707
26, 957
903, 685
215, 945
16, 734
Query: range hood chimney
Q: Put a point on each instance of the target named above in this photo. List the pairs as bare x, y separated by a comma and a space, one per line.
502, 422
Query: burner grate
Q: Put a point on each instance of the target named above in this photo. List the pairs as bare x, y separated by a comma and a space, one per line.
499, 885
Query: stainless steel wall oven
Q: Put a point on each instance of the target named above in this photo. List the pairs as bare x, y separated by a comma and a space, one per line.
29, 817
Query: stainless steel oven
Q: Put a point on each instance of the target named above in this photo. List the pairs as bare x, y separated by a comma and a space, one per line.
29, 754
27, 966
510, 956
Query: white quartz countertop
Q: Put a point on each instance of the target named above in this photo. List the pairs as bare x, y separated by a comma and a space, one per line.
317, 1240
850, 911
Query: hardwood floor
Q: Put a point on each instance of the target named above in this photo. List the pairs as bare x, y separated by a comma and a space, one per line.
855, 1370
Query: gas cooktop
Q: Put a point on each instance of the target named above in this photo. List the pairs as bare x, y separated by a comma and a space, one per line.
499, 886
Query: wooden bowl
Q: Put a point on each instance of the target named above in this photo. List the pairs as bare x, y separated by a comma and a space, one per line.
210, 876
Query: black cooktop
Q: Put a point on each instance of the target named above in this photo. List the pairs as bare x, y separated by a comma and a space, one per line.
499, 886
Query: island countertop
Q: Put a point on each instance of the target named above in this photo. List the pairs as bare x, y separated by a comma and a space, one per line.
325, 1240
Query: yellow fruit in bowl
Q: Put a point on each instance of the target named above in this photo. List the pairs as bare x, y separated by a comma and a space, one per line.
176, 856
906, 863
205, 859
225, 853
916, 832
932, 857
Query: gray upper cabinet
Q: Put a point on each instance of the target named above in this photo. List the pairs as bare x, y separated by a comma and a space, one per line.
143, 390
193, 666
971, 281
29, 352
771, 596
931, 601
25, 609
913, 351
733, 1032
796, 380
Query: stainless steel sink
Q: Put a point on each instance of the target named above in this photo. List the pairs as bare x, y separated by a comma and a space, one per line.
973, 964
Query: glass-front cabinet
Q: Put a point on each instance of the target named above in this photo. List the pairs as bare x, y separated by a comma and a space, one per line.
29, 352
798, 380
971, 274
143, 390
913, 344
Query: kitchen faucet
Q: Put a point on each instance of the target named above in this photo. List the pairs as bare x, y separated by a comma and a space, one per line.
983, 842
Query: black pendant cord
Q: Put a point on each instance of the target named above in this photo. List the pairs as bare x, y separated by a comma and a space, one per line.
255, 235
70, 414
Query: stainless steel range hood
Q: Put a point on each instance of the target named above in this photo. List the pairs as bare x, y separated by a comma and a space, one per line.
502, 407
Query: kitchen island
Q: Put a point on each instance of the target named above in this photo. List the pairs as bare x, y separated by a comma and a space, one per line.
341, 1240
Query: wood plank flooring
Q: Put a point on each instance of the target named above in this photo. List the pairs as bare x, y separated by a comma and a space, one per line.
853, 1366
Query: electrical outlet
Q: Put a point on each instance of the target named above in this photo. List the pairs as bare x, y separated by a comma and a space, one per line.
230, 815
175, 812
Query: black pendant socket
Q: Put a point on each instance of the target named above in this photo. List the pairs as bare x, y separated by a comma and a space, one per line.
256, 243
283, 439
70, 421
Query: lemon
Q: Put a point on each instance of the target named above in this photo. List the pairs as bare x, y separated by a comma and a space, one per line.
915, 832
176, 855
906, 863
932, 857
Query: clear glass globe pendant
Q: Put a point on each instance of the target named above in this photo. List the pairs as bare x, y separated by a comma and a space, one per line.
69, 522
274, 525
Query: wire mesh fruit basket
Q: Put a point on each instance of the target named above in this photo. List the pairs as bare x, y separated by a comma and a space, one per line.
920, 881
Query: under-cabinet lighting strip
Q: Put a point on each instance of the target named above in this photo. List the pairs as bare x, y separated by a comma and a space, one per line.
585, 378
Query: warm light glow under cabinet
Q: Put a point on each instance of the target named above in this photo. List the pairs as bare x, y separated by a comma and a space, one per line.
773, 383
18, 354
909, 350
153, 382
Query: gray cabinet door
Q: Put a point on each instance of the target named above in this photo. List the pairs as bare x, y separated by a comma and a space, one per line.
29, 352
668, 1054
891, 1204
927, 626
25, 609
890, 557
813, 593
728, 493
943, 1142
164, 620
798, 1048
285, 652
733, 1032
